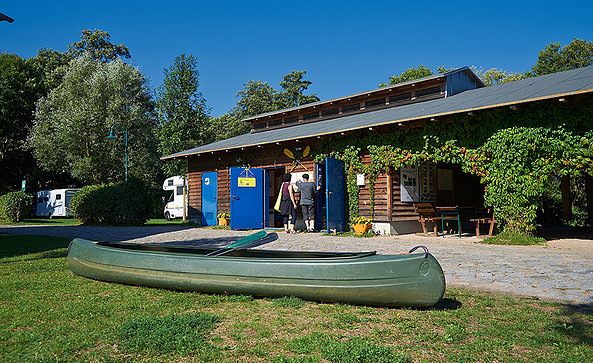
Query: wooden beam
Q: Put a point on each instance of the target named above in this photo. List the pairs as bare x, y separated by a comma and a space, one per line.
389, 196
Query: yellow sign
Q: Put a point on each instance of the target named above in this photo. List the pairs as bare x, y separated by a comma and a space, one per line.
246, 182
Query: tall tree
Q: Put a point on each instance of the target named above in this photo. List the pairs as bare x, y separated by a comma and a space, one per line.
259, 97
97, 43
555, 58
413, 73
182, 112
73, 120
494, 76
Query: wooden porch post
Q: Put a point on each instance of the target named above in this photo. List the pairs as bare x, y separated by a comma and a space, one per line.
389, 196
566, 202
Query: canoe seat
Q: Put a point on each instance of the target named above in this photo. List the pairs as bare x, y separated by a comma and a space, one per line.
427, 213
484, 216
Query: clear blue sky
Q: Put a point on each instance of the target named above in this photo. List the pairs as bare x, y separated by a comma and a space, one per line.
346, 47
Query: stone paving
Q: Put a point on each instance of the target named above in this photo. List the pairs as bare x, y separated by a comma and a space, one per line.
562, 270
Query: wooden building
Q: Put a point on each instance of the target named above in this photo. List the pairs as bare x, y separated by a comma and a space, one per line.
242, 175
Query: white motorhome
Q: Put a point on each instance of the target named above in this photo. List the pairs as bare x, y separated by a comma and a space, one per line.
174, 207
54, 203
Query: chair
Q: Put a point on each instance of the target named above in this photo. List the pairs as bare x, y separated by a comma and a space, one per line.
450, 214
427, 213
484, 215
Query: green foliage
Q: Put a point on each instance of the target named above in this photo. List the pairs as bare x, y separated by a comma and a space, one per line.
15, 206
96, 44
409, 75
182, 113
73, 120
128, 203
555, 58
180, 334
494, 76
509, 237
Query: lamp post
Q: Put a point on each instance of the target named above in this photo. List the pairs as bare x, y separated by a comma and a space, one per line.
112, 136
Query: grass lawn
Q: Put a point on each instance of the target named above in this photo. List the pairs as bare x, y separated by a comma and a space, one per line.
47, 313
74, 222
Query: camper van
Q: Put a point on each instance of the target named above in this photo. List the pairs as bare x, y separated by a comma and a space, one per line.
54, 203
174, 206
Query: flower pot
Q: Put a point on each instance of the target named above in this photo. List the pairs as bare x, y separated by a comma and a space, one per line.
224, 221
361, 228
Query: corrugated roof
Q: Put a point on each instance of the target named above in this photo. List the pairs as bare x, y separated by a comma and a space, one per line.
561, 84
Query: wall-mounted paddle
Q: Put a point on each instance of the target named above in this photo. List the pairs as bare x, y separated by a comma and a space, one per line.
291, 155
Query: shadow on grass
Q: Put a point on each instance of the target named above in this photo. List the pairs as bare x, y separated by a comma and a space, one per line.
43, 246
577, 323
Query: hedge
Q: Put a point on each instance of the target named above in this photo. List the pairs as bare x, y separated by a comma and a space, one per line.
15, 206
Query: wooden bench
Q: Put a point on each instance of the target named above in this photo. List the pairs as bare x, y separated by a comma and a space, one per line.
427, 213
484, 216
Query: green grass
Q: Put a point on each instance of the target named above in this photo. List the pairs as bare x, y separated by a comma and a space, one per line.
510, 238
44, 221
50, 314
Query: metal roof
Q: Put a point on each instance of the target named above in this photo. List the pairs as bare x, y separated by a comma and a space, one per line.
556, 85
381, 89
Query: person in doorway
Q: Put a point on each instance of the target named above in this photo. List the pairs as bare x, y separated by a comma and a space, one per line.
287, 204
308, 190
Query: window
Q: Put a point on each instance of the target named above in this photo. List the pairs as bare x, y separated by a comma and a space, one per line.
275, 123
291, 120
170, 182
428, 91
402, 97
331, 112
58, 196
351, 108
375, 103
180, 190
259, 126
40, 200
310, 116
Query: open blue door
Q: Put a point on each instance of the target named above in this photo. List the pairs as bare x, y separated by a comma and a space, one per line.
247, 198
335, 182
209, 198
320, 196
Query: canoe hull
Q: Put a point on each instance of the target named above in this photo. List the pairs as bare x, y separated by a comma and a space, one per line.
389, 280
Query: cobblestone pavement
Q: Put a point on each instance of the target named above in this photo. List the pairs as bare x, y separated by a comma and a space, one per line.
562, 270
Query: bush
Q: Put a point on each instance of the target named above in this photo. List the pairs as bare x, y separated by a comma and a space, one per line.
121, 204
15, 206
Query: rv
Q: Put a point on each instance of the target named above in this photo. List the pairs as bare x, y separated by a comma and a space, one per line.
54, 203
174, 207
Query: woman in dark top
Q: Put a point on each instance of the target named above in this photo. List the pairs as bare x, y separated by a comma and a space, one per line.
287, 204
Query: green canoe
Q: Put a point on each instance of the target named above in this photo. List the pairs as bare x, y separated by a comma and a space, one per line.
414, 279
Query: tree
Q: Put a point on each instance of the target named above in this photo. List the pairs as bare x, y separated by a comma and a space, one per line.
19, 90
554, 58
258, 97
414, 73
494, 76
73, 120
182, 112
96, 43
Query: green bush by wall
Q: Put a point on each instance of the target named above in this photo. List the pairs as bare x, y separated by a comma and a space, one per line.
15, 206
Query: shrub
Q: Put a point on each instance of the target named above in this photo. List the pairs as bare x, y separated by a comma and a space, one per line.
124, 203
15, 206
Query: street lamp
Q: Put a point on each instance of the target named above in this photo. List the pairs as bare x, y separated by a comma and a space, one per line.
112, 136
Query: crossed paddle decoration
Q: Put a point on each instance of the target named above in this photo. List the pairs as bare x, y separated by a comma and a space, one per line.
290, 154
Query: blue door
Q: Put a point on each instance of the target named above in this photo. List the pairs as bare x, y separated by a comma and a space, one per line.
320, 196
247, 198
334, 195
209, 198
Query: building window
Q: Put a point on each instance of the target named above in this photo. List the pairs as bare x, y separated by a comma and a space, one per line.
180, 190
310, 116
402, 97
291, 120
259, 126
351, 108
330, 112
428, 91
375, 103
275, 123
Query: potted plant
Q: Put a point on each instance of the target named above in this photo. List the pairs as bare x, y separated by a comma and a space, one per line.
224, 219
361, 225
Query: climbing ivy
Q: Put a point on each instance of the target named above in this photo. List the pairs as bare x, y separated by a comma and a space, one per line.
514, 163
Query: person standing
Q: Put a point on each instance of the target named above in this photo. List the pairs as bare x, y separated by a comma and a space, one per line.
308, 190
287, 204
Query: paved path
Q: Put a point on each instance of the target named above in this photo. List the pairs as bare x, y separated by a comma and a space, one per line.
562, 270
